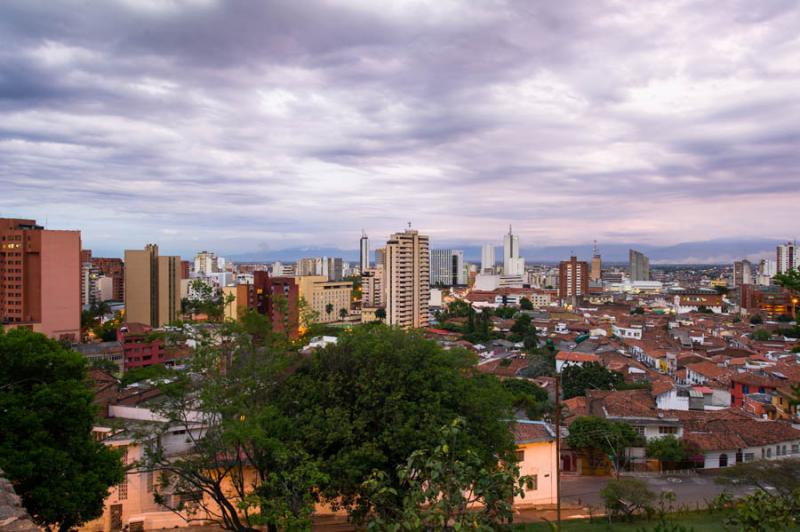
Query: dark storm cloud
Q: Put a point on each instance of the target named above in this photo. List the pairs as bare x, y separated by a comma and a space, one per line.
203, 123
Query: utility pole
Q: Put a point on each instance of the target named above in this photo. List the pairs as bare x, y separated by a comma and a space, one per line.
558, 452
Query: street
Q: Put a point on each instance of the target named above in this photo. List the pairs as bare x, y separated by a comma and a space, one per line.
690, 490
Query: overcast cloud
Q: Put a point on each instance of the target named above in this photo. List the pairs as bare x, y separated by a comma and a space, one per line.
246, 125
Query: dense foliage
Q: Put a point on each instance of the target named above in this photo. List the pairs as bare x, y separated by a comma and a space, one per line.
367, 403
590, 376
446, 489
602, 439
46, 447
328, 426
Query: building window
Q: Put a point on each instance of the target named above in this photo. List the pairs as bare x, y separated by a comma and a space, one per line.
723, 460
667, 430
749, 457
122, 489
769, 452
534, 482
520, 456
149, 482
795, 448
639, 429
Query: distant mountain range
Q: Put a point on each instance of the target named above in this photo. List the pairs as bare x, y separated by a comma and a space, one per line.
721, 251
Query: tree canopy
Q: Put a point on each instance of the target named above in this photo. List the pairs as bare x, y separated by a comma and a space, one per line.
601, 438
46, 446
380, 394
590, 376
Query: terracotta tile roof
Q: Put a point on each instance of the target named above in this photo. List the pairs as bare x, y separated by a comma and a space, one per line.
662, 386
726, 433
709, 370
572, 356
495, 367
529, 432
623, 403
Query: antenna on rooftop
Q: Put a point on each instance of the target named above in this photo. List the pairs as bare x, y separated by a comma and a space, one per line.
409, 224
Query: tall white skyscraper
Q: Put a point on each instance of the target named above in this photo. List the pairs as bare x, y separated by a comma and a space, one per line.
787, 257
487, 258
407, 279
364, 263
513, 264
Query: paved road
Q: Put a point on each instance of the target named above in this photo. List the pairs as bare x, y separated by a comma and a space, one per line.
689, 490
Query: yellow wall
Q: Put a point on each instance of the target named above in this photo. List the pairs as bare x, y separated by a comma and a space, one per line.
539, 459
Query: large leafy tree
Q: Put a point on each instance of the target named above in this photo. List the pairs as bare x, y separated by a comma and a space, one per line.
591, 376
600, 438
46, 447
444, 489
366, 404
243, 457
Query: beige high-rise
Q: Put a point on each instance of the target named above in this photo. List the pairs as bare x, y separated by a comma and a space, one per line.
318, 293
372, 293
152, 287
407, 276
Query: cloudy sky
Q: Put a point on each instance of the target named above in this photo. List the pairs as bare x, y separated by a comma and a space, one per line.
256, 125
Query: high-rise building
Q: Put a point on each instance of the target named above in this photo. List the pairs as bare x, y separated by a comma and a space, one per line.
152, 287
304, 267
639, 266
447, 267
597, 265
40, 279
787, 257
372, 293
205, 263
407, 287
90, 290
380, 256
364, 248
487, 258
186, 269
278, 299
573, 278
513, 264
742, 273
113, 268
325, 298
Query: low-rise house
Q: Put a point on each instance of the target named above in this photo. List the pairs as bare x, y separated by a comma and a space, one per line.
536, 453
725, 439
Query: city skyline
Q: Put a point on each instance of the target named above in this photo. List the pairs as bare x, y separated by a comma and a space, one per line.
244, 127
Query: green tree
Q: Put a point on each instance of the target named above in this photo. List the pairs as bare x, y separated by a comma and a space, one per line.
367, 403
529, 397
106, 365
667, 449
230, 390
762, 335
522, 325
637, 311
763, 512
601, 438
445, 489
525, 304
380, 314
329, 309
590, 376
46, 446
756, 319
342, 313
625, 497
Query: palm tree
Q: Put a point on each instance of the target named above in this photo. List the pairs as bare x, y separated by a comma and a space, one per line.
329, 309
380, 314
342, 313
